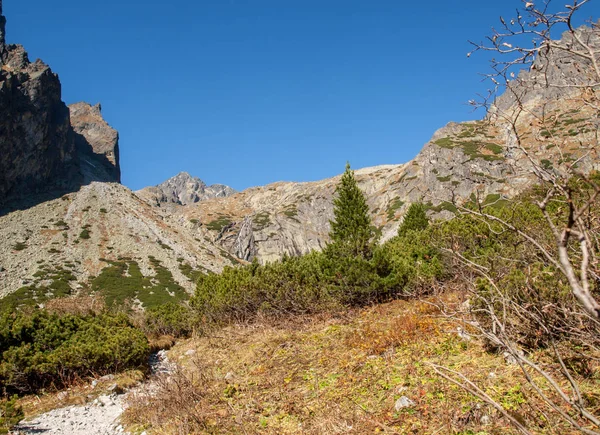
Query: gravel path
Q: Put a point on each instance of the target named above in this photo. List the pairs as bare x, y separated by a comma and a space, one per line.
98, 418
101, 417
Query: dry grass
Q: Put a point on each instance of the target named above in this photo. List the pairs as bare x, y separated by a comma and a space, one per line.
161, 342
341, 376
77, 305
330, 376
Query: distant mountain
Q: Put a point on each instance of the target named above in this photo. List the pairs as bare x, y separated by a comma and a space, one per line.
183, 189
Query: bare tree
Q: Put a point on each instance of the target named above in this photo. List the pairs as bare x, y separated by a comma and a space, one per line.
545, 75
554, 106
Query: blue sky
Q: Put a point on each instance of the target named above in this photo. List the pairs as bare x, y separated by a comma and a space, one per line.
250, 92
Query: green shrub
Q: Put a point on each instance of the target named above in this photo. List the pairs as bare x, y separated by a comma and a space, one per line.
123, 280
522, 275
169, 319
51, 282
42, 349
10, 414
19, 246
219, 224
415, 219
317, 282
393, 207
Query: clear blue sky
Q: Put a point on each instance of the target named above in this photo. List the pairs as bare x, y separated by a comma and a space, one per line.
250, 92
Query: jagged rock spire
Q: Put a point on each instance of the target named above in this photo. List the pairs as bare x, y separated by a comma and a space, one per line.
2, 26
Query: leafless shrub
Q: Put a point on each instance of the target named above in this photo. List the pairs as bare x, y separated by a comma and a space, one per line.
171, 401
554, 107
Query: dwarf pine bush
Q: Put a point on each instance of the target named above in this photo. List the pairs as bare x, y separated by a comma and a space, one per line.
42, 349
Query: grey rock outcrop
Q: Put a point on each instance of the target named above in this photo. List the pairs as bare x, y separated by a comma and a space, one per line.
183, 189
97, 143
557, 72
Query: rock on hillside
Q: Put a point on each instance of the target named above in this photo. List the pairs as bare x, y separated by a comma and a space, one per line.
183, 189
97, 143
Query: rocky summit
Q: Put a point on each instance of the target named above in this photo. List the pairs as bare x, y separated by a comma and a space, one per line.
183, 189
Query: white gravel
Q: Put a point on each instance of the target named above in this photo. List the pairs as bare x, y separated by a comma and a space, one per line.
98, 418
101, 417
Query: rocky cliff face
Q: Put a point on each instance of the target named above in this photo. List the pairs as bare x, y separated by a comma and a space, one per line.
561, 70
183, 189
39, 150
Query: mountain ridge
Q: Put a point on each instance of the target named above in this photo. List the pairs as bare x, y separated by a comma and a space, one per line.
182, 227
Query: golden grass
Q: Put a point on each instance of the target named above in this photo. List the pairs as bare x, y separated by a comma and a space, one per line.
330, 376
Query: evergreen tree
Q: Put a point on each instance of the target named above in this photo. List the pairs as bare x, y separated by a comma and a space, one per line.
415, 219
351, 230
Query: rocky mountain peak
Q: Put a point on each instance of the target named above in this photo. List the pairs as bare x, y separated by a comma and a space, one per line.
558, 72
184, 177
184, 189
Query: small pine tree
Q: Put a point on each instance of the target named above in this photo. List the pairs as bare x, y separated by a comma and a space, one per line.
351, 230
415, 219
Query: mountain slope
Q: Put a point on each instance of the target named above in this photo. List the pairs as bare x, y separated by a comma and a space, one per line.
473, 160
63, 244
543, 121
